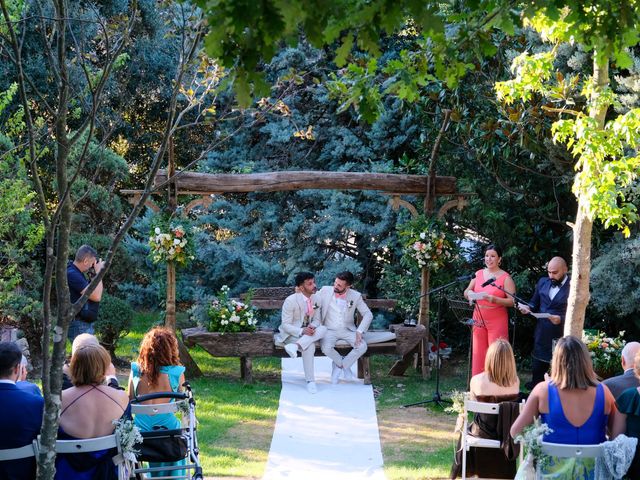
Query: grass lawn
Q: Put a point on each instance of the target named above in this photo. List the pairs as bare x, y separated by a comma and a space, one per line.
236, 420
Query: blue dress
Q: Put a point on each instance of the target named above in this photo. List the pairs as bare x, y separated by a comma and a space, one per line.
96, 465
162, 421
591, 432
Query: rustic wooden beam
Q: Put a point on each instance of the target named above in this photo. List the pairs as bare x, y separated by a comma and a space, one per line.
298, 180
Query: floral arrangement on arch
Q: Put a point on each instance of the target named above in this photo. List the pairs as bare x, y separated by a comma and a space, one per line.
605, 352
425, 243
227, 315
170, 244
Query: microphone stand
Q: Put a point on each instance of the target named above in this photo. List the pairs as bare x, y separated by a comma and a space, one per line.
517, 300
512, 295
437, 398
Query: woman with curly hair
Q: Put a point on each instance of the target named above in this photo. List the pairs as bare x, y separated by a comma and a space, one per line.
158, 369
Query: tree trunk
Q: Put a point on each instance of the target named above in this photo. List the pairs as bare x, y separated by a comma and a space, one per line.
423, 319
170, 316
581, 256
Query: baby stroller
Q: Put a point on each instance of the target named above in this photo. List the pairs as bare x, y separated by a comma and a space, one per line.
169, 445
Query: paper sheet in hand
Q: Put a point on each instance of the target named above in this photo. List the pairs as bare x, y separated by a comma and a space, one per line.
476, 295
541, 315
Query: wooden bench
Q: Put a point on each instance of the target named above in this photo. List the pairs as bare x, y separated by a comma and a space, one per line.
261, 343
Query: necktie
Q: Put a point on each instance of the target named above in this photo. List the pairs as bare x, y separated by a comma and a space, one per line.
309, 307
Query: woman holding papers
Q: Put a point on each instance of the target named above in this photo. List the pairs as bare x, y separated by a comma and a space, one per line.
490, 315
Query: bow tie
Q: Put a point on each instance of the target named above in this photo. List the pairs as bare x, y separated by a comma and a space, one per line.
343, 296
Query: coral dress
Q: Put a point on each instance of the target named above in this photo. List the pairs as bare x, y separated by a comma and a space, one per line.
491, 321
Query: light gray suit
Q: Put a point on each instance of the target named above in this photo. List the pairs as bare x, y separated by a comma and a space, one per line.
340, 323
291, 330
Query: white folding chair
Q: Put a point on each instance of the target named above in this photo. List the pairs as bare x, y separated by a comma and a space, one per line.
18, 453
570, 451
87, 444
468, 440
560, 450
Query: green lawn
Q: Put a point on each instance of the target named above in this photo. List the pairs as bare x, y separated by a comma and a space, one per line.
236, 420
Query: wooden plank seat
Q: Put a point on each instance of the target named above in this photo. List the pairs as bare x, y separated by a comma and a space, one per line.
398, 340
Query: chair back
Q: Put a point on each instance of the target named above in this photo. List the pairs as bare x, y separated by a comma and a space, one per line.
467, 440
561, 450
87, 444
27, 451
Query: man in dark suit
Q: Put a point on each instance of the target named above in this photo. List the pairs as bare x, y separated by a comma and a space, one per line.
550, 297
22, 414
620, 383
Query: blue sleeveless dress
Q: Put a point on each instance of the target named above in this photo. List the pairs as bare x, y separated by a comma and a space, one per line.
591, 432
163, 421
96, 465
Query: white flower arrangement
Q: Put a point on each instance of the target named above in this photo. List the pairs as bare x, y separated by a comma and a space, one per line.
426, 245
531, 438
170, 246
128, 436
230, 315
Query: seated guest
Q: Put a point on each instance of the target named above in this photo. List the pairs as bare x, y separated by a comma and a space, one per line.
628, 379
498, 383
21, 414
89, 409
79, 341
628, 403
574, 405
22, 382
158, 369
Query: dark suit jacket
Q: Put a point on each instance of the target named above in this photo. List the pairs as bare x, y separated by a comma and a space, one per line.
546, 331
620, 383
21, 419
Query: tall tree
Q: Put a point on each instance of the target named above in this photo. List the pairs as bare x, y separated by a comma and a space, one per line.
606, 151
82, 45
607, 28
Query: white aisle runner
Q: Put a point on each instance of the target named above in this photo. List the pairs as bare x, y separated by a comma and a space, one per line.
332, 435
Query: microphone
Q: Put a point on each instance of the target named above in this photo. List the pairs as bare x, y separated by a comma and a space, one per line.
465, 277
488, 282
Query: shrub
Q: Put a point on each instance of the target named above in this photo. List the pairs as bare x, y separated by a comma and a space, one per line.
114, 321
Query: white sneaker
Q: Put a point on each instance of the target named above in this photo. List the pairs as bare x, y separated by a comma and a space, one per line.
335, 374
348, 374
291, 349
311, 387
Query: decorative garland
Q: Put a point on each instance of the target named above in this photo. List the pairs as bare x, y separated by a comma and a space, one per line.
425, 243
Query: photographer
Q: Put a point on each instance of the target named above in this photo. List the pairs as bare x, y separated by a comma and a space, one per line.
86, 262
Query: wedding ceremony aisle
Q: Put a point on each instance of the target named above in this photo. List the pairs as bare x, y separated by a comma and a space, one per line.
330, 435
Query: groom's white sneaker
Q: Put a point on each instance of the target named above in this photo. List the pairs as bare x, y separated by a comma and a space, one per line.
335, 374
311, 387
291, 349
348, 374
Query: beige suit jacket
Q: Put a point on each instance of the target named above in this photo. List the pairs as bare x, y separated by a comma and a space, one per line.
294, 310
355, 302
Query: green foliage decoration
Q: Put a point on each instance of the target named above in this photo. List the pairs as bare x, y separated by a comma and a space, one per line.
114, 321
20, 229
619, 299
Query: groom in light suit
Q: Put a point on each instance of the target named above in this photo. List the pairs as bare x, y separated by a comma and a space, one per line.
299, 329
338, 305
